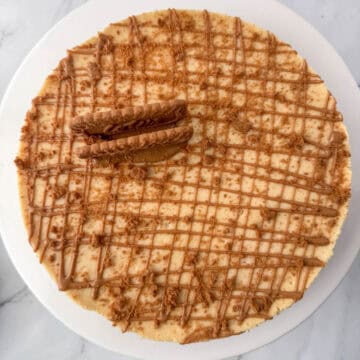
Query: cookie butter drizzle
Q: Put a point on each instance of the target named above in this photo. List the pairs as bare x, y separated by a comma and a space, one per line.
209, 283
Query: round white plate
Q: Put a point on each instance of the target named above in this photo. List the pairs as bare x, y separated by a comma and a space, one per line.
84, 23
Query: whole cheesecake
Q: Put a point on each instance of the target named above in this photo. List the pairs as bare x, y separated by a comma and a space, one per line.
185, 174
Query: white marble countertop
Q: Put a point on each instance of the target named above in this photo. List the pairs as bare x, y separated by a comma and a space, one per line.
29, 331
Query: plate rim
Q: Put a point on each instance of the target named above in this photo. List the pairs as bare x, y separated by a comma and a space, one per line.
200, 350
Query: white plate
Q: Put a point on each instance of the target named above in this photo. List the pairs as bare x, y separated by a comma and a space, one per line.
82, 24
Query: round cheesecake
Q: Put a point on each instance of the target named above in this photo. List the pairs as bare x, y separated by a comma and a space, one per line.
200, 223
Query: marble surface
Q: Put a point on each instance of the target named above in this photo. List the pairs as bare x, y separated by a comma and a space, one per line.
28, 331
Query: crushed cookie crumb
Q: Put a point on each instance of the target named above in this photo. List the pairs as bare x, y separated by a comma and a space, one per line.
337, 138
21, 164
191, 258
84, 84
132, 221
171, 297
203, 85
341, 195
161, 22
120, 309
262, 304
179, 56
138, 172
74, 197
242, 126
188, 218
268, 214
94, 71
222, 149
97, 240
280, 97
217, 181
209, 159
295, 141
206, 143
59, 192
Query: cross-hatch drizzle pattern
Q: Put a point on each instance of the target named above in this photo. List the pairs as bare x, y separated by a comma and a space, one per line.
213, 234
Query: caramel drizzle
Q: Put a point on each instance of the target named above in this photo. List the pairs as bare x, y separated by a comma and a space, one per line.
44, 100
66, 96
225, 301
301, 182
101, 261
245, 307
257, 278
120, 69
163, 313
111, 240
135, 33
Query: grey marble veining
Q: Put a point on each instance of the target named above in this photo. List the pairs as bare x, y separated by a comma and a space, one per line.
28, 331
